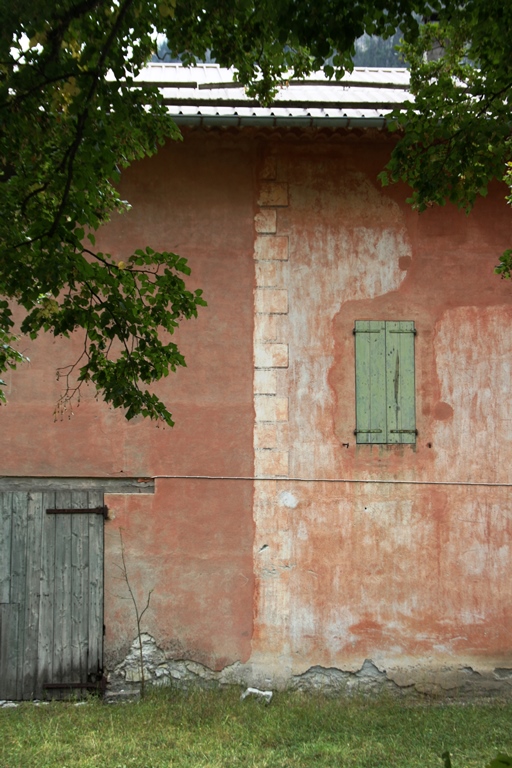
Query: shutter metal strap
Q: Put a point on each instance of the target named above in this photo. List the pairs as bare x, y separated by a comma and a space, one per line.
404, 431
367, 431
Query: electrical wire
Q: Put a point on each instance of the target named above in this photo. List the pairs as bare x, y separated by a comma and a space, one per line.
266, 478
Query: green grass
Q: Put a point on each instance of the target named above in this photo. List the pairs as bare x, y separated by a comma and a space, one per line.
216, 729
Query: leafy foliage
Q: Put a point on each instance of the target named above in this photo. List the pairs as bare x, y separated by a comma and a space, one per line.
456, 136
504, 268
272, 40
72, 117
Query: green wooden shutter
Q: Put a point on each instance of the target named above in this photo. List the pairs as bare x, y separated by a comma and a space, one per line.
385, 404
400, 406
370, 381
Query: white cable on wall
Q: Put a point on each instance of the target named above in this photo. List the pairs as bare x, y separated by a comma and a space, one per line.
332, 480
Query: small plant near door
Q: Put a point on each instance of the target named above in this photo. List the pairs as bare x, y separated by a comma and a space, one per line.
139, 614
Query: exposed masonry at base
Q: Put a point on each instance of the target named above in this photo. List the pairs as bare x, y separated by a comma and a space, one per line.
445, 683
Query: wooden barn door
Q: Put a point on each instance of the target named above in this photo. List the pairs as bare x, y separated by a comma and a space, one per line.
51, 593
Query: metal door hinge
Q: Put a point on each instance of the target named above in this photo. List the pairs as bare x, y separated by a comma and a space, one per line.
92, 511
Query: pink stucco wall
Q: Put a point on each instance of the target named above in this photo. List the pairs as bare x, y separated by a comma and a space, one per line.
191, 542
314, 562
409, 575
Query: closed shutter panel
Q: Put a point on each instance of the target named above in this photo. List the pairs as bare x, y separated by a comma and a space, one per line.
385, 403
400, 406
370, 381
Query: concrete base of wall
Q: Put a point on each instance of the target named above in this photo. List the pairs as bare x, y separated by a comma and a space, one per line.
442, 683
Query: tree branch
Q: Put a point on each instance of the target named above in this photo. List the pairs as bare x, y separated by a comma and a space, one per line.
70, 155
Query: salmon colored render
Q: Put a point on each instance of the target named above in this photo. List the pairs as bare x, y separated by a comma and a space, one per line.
281, 551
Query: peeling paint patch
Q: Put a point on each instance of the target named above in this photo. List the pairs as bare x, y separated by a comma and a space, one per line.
330, 680
471, 440
457, 682
160, 670
462, 682
503, 673
287, 499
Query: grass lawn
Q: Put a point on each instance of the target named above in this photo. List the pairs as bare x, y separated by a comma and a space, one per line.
217, 729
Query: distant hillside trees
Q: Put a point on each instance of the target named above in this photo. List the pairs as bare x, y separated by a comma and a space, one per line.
374, 51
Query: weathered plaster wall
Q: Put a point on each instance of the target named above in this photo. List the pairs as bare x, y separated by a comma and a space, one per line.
194, 198
189, 542
412, 576
190, 546
328, 569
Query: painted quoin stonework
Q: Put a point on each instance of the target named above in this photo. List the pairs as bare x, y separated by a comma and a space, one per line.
280, 551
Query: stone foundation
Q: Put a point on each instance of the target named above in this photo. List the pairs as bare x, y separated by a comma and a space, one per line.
447, 683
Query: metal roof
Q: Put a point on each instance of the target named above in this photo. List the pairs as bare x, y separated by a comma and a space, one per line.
206, 94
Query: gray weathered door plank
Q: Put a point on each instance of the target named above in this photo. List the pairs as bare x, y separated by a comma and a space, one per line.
62, 593
45, 641
51, 612
5, 546
8, 610
18, 581
95, 628
32, 592
9, 613
79, 587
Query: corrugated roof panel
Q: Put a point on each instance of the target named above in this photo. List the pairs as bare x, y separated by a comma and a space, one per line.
209, 91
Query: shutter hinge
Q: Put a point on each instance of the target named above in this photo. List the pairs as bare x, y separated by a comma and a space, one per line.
404, 431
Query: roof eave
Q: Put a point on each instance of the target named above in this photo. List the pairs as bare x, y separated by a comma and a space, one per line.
230, 121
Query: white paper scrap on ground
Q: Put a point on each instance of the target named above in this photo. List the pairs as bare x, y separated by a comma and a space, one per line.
267, 695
